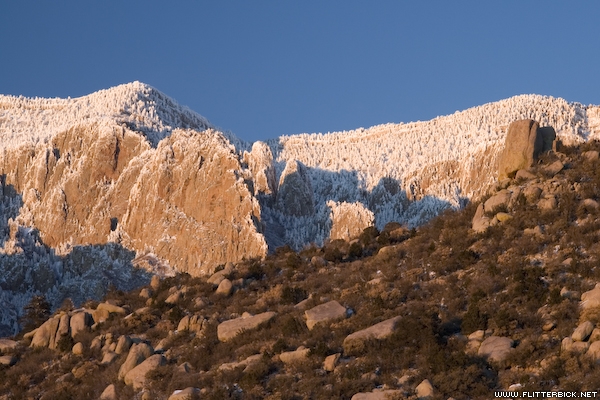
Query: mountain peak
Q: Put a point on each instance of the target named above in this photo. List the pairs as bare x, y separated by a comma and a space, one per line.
136, 105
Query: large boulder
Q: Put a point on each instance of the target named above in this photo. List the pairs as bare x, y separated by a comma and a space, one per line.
298, 355
424, 390
591, 298
583, 331
136, 377
496, 348
81, 321
348, 220
356, 341
7, 345
378, 394
45, 335
525, 142
190, 393
229, 329
323, 313
137, 354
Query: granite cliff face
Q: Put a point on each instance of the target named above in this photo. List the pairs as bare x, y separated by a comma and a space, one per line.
131, 177
138, 181
103, 181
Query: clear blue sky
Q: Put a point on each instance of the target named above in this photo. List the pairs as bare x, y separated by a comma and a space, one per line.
265, 68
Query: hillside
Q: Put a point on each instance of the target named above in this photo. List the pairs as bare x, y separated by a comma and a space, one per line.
114, 187
439, 311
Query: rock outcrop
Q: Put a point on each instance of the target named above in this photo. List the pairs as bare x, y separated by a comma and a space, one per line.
348, 220
260, 163
525, 142
295, 194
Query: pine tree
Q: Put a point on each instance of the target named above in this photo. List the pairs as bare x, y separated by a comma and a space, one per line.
37, 311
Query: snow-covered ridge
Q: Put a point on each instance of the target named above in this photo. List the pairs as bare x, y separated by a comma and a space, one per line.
409, 172
137, 105
398, 150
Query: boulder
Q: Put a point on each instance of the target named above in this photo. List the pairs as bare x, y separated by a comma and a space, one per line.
7, 345
229, 329
136, 377
109, 357
424, 390
331, 361
45, 335
80, 322
480, 222
532, 193
349, 220
318, 262
547, 203
218, 276
190, 393
123, 344
238, 364
495, 348
298, 355
379, 395
589, 205
8, 360
566, 344
100, 315
554, 168
324, 313
591, 298
77, 349
174, 297
591, 155
63, 326
525, 175
580, 347
137, 354
225, 288
110, 393
192, 323
500, 199
595, 336
583, 331
525, 142
356, 341
503, 217
111, 308
155, 282
594, 351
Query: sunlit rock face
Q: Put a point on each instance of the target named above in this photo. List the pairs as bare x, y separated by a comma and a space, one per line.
150, 187
110, 188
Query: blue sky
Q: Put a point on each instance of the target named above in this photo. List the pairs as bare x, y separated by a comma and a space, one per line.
265, 68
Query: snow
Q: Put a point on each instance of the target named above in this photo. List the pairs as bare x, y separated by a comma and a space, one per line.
136, 105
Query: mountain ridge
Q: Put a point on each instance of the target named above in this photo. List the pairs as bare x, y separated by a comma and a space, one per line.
129, 167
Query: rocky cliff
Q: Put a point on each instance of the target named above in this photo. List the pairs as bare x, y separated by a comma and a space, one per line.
149, 183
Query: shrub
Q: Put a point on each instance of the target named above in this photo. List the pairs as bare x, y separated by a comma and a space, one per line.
293, 261
355, 251
293, 295
37, 311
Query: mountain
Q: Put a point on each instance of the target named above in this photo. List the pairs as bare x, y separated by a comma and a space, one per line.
125, 182
442, 311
